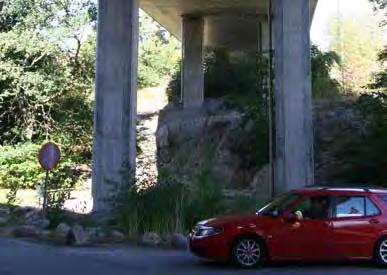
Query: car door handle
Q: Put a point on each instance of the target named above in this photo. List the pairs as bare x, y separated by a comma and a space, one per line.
328, 224
374, 221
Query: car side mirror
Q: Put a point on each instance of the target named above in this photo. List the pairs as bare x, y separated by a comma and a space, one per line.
291, 218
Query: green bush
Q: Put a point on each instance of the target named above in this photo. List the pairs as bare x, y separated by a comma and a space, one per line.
240, 76
176, 202
225, 74
19, 167
158, 55
323, 86
169, 207
365, 156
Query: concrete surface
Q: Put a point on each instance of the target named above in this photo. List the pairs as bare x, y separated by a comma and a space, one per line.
227, 23
193, 73
24, 258
114, 143
294, 167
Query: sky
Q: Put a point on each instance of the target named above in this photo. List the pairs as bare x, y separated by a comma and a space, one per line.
329, 9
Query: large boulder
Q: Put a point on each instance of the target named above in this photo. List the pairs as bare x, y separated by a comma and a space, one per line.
150, 239
4, 212
36, 218
26, 231
78, 236
261, 184
117, 235
96, 233
179, 241
4, 216
21, 211
3, 221
62, 230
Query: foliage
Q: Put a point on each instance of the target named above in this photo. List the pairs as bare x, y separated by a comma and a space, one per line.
380, 79
241, 76
159, 53
380, 5
231, 73
322, 63
365, 156
46, 71
225, 74
177, 201
19, 169
357, 44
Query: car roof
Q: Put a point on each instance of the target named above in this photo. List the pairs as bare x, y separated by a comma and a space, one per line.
341, 190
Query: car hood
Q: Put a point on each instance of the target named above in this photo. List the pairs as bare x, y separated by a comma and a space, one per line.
231, 220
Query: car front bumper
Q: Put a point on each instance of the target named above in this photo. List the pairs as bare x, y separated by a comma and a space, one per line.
211, 247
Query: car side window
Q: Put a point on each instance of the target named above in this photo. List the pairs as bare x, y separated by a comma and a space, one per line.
350, 206
371, 208
313, 208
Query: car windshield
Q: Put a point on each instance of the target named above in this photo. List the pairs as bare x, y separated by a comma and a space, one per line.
275, 207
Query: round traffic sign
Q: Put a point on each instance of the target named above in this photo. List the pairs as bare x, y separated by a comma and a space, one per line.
49, 156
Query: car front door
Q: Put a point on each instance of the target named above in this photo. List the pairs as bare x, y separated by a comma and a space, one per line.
309, 237
355, 226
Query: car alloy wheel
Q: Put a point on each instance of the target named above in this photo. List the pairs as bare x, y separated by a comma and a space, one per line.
247, 252
382, 250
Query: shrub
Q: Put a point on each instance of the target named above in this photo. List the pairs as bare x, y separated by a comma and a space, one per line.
241, 75
323, 85
365, 156
19, 167
225, 74
177, 202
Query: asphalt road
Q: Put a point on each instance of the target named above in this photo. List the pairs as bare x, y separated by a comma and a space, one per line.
25, 258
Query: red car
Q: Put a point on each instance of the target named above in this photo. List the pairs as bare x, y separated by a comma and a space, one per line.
322, 223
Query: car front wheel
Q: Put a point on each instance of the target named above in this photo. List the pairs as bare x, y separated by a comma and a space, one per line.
381, 251
248, 252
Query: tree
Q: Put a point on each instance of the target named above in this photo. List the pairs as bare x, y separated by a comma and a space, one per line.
380, 79
322, 63
159, 53
380, 5
47, 59
357, 45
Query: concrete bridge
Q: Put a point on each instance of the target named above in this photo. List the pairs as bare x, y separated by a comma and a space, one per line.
231, 24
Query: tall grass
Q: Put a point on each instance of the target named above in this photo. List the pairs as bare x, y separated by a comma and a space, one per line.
170, 206
178, 201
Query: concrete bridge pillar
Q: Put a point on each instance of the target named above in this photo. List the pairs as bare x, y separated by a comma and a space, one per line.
293, 103
192, 73
114, 149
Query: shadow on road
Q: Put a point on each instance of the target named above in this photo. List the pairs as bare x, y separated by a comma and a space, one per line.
359, 265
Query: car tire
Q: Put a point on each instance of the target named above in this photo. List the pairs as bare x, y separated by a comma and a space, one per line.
248, 252
381, 252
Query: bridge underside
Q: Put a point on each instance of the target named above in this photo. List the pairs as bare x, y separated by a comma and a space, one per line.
231, 24
227, 23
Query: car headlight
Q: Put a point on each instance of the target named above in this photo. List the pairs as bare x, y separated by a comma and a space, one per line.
202, 231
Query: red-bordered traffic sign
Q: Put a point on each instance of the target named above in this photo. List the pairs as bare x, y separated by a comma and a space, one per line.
49, 156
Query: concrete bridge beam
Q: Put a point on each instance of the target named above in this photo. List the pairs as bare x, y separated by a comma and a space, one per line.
293, 102
192, 73
114, 149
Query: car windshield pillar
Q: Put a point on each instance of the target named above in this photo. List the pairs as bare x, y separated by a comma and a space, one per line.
278, 205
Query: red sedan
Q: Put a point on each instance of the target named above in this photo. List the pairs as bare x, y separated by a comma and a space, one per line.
323, 223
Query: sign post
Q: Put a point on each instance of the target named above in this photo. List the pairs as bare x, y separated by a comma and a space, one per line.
49, 157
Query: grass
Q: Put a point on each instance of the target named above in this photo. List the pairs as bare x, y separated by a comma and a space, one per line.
24, 197
151, 100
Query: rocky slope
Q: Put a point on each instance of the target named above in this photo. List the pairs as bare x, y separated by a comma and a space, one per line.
215, 139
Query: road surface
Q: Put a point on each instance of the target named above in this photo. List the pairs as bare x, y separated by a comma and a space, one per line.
25, 258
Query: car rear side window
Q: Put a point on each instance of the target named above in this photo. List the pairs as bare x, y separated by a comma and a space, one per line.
371, 208
347, 206
355, 206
